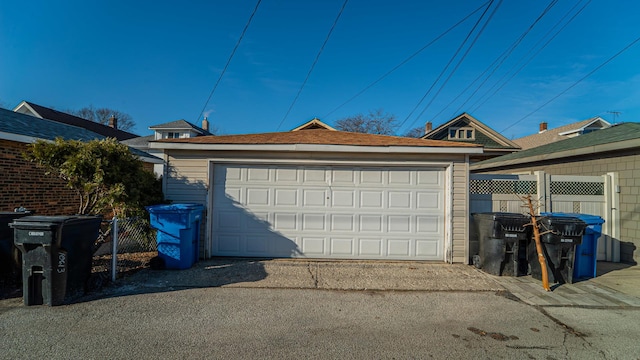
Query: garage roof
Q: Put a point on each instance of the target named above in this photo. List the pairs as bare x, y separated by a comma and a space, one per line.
319, 137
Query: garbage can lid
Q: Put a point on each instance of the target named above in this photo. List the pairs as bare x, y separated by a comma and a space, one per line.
587, 218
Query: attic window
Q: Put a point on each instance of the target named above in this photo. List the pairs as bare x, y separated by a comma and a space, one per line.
464, 133
175, 135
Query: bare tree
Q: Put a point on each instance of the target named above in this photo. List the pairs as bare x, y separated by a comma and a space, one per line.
102, 115
375, 122
415, 133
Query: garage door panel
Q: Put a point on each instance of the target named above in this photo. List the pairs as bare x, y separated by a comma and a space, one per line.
325, 212
342, 246
314, 197
313, 245
371, 177
312, 222
429, 201
427, 248
284, 221
398, 223
370, 247
287, 175
399, 177
400, 199
343, 199
342, 222
371, 223
258, 174
429, 225
399, 247
371, 199
314, 176
286, 197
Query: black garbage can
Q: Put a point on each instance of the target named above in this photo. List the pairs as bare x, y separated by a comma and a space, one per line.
559, 237
57, 253
502, 243
9, 264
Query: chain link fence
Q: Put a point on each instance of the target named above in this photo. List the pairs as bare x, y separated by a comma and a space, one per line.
135, 245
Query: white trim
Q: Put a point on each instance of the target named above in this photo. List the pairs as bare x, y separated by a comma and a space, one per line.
226, 160
28, 107
448, 215
19, 138
318, 148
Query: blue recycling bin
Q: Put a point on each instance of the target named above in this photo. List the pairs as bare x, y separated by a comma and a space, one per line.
178, 233
586, 253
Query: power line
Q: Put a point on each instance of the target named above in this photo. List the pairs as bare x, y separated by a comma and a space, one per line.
229, 60
448, 64
313, 65
464, 56
574, 84
406, 60
480, 102
499, 61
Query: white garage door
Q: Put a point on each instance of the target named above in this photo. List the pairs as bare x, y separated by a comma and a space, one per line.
328, 212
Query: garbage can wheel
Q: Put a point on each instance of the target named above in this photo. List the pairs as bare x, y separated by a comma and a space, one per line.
476, 261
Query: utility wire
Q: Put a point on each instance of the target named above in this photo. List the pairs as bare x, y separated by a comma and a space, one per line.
448, 64
480, 102
574, 84
229, 60
464, 56
313, 65
499, 60
406, 60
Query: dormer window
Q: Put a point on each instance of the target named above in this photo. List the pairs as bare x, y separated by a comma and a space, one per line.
464, 133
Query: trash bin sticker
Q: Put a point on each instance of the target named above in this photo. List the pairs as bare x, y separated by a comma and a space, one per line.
62, 262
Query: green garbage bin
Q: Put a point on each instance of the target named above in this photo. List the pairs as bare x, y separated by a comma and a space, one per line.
57, 254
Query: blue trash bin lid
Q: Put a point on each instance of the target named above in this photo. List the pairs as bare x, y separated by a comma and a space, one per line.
186, 207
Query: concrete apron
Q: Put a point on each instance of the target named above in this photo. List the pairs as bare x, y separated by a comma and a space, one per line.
330, 275
616, 287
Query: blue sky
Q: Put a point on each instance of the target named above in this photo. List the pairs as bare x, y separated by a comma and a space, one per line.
159, 60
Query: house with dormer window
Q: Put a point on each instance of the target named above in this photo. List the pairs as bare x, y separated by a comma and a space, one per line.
467, 129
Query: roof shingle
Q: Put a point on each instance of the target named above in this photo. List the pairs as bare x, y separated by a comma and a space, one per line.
319, 137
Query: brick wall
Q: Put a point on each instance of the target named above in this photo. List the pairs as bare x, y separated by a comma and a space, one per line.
23, 184
627, 165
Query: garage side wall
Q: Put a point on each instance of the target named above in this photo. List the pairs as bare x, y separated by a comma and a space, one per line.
186, 180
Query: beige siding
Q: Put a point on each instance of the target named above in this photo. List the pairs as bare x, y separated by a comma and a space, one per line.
187, 180
627, 165
460, 210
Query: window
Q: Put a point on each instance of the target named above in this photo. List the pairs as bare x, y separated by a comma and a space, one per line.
465, 133
173, 135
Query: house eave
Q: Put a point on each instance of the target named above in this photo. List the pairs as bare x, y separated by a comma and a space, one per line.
589, 150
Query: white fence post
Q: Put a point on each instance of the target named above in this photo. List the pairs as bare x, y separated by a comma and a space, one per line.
114, 248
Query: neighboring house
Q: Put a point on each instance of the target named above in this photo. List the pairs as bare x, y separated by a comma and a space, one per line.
180, 129
42, 112
320, 193
547, 136
22, 183
612, 150
467, 129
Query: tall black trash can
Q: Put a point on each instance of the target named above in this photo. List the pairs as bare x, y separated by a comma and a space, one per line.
57, 254
9, 265
503, 239
559, 237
